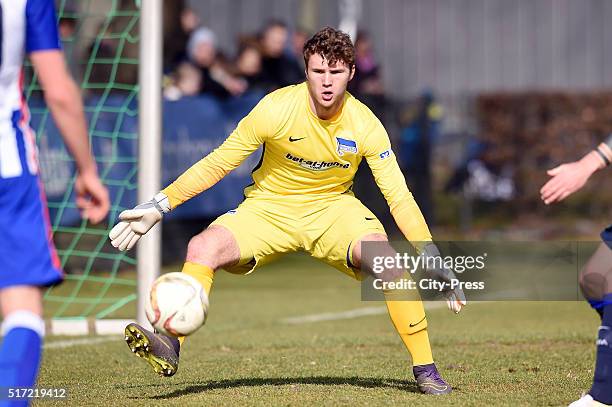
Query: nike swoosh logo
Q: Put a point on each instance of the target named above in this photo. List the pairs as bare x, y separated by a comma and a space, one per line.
413, 325
291, 139
370, 218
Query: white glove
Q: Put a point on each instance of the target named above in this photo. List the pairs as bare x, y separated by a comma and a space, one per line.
138, 221
455, 298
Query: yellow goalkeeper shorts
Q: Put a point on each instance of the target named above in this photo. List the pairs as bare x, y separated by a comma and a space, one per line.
325, 228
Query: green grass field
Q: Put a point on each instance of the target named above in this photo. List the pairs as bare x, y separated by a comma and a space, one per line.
496, 353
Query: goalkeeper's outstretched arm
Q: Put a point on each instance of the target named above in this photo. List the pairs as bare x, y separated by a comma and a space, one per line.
251, 132
201, 176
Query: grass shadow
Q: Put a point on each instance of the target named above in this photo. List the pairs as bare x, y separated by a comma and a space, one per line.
365, 382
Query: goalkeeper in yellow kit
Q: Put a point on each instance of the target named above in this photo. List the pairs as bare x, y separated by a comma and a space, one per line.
314, 136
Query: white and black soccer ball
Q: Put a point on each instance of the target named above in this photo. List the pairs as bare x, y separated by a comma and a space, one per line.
177, 304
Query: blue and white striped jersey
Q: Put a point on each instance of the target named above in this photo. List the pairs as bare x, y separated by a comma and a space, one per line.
26, 26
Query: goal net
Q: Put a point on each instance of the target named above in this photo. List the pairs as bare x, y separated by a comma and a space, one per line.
100, 40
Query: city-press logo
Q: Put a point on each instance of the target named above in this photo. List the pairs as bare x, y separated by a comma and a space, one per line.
316, 165
346, 146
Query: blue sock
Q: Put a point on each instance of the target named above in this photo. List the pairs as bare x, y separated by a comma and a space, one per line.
19, 358
598, 305
20, 352
602, 382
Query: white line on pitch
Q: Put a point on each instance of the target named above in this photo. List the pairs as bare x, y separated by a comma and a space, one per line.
356, 313
77, 342
332, 316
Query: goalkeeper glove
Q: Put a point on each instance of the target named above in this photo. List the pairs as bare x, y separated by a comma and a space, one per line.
138, 221
455, 298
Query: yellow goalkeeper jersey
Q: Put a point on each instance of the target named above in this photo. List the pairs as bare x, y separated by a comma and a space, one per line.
306, 156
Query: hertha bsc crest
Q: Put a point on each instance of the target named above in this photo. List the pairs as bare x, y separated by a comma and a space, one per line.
346, 146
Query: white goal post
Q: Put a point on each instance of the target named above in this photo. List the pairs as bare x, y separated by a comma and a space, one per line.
149, 173
150, 139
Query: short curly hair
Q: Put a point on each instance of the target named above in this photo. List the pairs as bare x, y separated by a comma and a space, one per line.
333, 45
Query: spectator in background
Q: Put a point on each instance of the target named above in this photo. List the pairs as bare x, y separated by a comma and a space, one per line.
186, 80
216, 80
67, 26
367, 84
179, 23
248, 64
367, 80
279, 68
421, 126
107, 45
102, 47
298, 39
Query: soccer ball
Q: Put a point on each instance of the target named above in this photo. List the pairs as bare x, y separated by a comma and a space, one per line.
177, 304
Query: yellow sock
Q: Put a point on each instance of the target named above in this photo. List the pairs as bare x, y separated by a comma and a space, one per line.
200, 272
409, 320
419, 347
203, 274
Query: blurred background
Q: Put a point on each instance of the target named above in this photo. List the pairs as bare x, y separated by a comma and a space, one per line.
480, 98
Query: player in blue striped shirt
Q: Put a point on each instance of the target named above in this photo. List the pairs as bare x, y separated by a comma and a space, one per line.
29, 261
